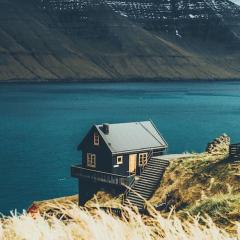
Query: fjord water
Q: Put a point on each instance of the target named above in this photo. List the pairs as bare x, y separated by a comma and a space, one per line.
42, 124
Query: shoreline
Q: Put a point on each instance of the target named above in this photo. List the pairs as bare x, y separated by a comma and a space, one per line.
119, 80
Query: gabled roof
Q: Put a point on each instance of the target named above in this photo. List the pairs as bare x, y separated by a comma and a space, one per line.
133, 136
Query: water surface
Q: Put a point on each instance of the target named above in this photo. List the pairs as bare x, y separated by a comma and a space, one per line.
41, 125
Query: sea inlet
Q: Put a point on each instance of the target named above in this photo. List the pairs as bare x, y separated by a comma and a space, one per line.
42, 124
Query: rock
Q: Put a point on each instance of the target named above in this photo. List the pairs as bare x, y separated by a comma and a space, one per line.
219, 145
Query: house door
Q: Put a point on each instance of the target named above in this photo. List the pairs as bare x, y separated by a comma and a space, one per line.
132, 163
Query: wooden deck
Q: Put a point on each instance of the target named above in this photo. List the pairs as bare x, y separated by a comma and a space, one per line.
78, 171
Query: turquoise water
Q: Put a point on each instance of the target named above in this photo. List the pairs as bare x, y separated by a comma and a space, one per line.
41, 125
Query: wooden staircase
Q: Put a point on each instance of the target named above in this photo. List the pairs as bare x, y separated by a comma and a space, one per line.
147, 183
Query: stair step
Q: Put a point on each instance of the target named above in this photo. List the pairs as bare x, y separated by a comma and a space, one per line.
150, 177
139, 190
143, 188
158, 169
160, 160
135, 198
148, 180
135, 202
153, 172
139, 195
153, 177
157, 165
146, 195
146, 184
157, 162
138, 199
152, 160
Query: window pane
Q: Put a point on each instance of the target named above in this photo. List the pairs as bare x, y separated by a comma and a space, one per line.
119, 159
96, 139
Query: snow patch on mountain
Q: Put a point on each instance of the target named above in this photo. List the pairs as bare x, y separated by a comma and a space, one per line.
236, 2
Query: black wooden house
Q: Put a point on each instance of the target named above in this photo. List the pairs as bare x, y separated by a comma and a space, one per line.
114, 154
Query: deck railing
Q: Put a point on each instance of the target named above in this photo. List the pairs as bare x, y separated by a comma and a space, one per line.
78, 171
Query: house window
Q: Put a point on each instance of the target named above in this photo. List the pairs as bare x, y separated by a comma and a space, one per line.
143, 159
119, 159
96, 139
91, 160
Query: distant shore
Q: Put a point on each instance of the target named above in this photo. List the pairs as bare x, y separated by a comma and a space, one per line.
119, 80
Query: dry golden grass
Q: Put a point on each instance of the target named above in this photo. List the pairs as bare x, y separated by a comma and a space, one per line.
100, 199
203, 184
105, 200
197, 177
80, 224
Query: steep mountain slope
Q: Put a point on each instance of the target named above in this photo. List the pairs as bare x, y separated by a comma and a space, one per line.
30, 49
83, 40
202, 18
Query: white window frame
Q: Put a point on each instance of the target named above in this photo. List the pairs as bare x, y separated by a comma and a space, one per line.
142, 159
96, 139
119, 160
91, 160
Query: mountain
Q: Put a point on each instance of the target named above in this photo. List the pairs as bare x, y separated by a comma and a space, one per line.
119, 40
236, 2
218, 19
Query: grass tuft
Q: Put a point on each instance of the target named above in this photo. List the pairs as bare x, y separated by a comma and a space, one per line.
82, 224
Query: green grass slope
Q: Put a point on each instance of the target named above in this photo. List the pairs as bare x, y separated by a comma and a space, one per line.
203, 184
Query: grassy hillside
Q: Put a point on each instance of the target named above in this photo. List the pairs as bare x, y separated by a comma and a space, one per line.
41, 45
201, 186
204, 184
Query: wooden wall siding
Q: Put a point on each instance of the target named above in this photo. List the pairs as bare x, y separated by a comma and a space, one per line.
234, 152
103, 154
123, 168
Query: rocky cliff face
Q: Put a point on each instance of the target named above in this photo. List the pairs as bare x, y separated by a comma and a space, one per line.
217, 19
118, 40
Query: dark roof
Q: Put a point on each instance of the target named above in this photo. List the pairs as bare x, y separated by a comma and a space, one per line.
133, 136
